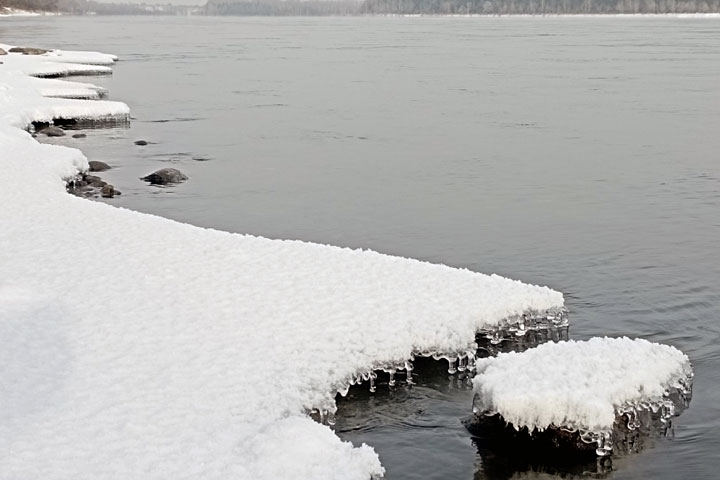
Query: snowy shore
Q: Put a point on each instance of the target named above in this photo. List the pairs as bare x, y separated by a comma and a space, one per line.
175, 351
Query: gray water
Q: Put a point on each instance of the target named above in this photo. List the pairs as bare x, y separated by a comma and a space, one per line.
579, 153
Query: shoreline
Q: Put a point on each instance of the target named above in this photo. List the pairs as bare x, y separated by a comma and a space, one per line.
211, 326
187, 334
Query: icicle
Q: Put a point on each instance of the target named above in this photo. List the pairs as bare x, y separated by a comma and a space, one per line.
471, 361
462, 363
408, 372
391, 382
451, 365
372, 382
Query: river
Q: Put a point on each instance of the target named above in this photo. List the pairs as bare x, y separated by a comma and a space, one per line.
578, 153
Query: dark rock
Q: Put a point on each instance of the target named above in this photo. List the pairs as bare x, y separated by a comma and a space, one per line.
141, 142
79, 135
2, 52
96, 166
94, 181
108, 191
165, 176
28, 50
53, 132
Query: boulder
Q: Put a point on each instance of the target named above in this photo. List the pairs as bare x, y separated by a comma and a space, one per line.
141, 142
79, 135
108, 191
2, 52
53, 131
94, 181
165, 176
96, 166
28, 50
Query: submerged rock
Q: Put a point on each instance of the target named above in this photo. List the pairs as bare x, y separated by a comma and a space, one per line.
165, 176
53, 131
79, 135
28, 50
96, 166
142, 143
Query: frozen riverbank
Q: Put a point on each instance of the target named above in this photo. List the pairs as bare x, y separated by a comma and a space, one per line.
174, 350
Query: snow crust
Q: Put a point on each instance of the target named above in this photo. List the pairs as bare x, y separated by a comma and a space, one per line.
577, 385
134, 346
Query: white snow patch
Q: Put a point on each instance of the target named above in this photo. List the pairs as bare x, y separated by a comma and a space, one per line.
134, 346
577, 385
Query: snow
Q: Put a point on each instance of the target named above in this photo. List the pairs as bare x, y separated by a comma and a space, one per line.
59, 63
23, 99
134, 346
15, 12
577, 385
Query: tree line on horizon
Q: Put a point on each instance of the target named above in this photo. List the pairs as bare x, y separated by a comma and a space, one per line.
83, 7
456, 7
374, 7
30, 5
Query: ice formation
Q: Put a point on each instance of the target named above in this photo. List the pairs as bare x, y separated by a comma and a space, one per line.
584, 387
133, 346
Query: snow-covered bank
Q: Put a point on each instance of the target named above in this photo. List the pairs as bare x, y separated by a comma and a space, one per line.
582, 386
137, 347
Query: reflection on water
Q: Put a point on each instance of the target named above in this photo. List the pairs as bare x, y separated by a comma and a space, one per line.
512, 460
